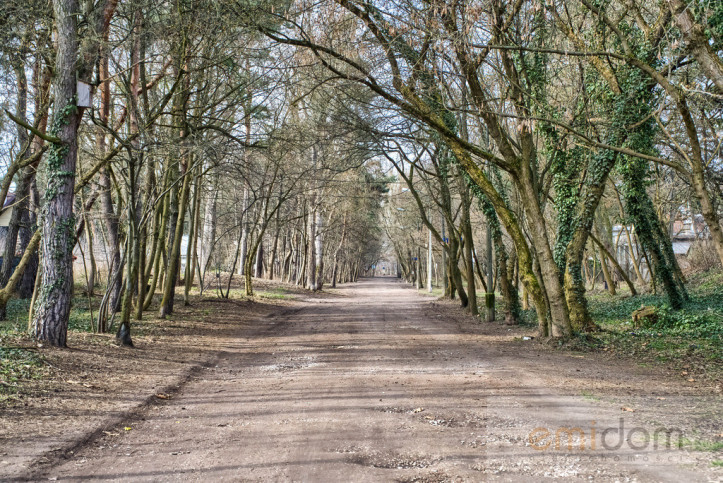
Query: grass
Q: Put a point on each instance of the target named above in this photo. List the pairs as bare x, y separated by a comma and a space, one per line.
275, 294
701, 445
436, 291
590, 396
16, 365
18, 359
717, 463
690, 338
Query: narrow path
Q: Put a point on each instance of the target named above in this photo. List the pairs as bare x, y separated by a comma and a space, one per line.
375, 384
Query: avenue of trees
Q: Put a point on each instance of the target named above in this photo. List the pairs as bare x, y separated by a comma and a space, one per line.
301, 141
203, 152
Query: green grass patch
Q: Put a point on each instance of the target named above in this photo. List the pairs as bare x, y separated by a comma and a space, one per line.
79, 319
275, 294
700, 318
717, 463
17, 317
436, 291
590, 396
701, 445
690, 338
16, 365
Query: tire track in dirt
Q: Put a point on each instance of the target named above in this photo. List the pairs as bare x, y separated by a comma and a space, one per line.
375, 383
44, 464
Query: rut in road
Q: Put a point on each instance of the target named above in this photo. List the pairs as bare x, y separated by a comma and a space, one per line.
373, 383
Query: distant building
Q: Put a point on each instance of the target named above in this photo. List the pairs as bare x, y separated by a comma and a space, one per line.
684, 231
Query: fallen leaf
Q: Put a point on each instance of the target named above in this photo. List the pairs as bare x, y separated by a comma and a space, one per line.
660, 398
163, 396
630, 410
418, 410
691, 380
127, 428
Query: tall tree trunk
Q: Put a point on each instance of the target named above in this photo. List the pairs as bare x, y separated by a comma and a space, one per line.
259, 261
275, 244
466, 230
178, 201
311, 257
334, 272
132, 255
286, 250
192, 235
27, 228
159, 241
53, 305
91, 254
246, 229
169, 286
42, 77
319, 250
23, 186
560, 316
209, 228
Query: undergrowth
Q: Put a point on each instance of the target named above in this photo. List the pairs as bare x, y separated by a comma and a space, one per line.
18, 364
690, 339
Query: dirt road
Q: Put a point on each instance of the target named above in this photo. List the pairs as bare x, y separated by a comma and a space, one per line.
377, 383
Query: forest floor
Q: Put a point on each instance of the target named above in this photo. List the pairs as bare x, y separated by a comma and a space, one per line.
367, 382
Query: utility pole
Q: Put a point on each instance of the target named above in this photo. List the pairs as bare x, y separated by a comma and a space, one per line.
429, 262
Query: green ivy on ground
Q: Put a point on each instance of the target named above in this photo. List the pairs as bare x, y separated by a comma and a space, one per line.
689, 339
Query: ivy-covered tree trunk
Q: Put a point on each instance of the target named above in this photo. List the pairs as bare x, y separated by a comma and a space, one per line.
550, 274
455, 273
509, 292
699, 44
641, 213
53, 303
530, 279
466, 231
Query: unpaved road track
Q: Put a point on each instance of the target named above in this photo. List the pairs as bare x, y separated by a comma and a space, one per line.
375, 383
